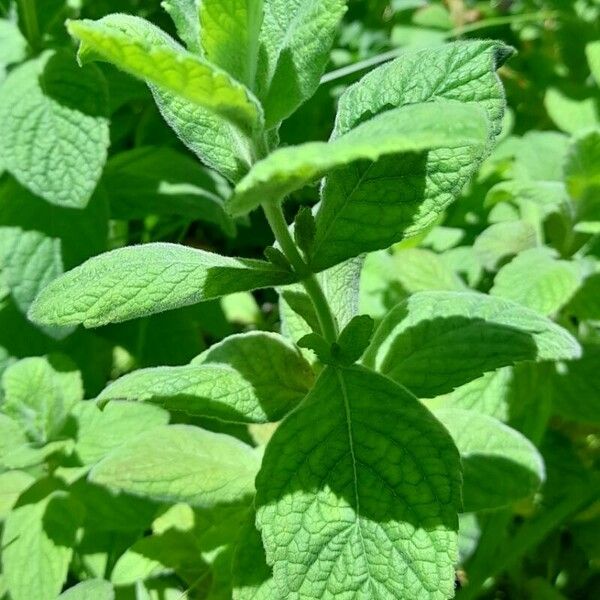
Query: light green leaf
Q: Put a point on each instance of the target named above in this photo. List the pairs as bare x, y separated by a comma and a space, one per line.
217, 142
92, 589
408, 195
536, 278
503, 240
255, 377
140, 280
40, 536
11, 435
12, 485
99, 432
143, 50
592, 51
252, 577
32, 454
185, 17
576, 385
582, 172
419, 270
500, 466
585, 304
340, 284
358, 494
464, 262
295, 40
230, 36
162, 181
29, 260
539, 156
55, 146
413, 128
436, 341
40, 393
571, 114
13, 46
547, 196
181, 463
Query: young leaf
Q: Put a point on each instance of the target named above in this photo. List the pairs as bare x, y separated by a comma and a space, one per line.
54, 128
144, 51
582, 171
181, 463
500, 466
538, 280
11, 435
40, 393
436, 341
354, 339
229, 36
92, 589
340, 285
413, 128
295, 41
99, 432
40, 535
159, 180
358, 494
407, 195
251, 378
140, 280
185, 17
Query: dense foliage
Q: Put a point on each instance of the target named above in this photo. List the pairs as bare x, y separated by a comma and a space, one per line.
394, 393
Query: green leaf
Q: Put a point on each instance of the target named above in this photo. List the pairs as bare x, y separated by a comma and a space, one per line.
92, 589
99, 432
413, 128
503, 240
143, 50
571, 114
582, 171
354, 339
162, 181
40, 393
140, 280
41, 536
230, 36
181, 463
13, 46
295, 40
358, 494
255, 377
585, 304
436, 341
540, 155
575, 387
54, 128
500, 466
340, 285
12, 485
536, 278
185, 17
408, 195
29, 260
419, 270
252, 577
217, 142
592, 51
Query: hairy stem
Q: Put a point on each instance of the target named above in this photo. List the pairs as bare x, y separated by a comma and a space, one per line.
309, 280
30, 21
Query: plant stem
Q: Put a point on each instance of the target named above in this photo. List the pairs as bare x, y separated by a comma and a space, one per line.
311, 284
30, 20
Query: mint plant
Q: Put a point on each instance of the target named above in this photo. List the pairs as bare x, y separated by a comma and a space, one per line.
395, 415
